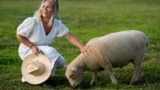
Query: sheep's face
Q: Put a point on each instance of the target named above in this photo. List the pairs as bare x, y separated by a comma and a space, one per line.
74, 76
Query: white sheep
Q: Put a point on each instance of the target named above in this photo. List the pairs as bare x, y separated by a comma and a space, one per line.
112, 50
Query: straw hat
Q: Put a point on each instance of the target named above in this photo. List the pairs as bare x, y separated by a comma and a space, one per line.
36, 69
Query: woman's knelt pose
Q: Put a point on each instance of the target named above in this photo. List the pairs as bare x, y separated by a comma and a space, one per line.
38, 32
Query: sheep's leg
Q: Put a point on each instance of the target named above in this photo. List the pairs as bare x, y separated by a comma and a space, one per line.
137, 71
108, 68
94, 79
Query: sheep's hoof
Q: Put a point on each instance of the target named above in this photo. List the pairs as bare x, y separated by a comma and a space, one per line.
134, 83
92, 83
115, 82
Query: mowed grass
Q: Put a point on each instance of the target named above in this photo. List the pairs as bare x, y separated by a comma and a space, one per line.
86, 19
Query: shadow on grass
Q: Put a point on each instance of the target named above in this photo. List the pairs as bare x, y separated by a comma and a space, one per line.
56, 81
60, 81
11, 79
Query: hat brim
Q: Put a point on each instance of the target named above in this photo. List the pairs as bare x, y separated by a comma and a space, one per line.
36, 79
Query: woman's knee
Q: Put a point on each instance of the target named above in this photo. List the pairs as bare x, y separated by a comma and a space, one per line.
60, 62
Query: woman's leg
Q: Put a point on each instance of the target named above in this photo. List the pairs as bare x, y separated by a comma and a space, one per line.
56, 59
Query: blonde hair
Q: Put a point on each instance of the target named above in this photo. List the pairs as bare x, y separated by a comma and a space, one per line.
55, 9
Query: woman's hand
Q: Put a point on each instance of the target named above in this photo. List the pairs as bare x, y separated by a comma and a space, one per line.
29, 44
85, 49
76, 42
34, 49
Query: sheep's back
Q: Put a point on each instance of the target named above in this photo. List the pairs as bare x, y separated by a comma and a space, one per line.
118, 48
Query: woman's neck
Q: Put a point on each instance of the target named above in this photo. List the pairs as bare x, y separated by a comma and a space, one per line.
45, 20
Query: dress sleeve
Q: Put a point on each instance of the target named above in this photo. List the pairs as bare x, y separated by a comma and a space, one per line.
26, 27
62, 29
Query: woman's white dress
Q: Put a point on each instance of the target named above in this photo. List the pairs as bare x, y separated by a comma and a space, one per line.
34, 31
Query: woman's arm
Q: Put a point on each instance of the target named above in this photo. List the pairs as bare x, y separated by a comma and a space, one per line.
26, 42
76, 42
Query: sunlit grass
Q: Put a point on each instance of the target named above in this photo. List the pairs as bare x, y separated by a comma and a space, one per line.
86, 19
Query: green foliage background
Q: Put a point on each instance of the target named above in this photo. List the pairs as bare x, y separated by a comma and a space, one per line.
86, 19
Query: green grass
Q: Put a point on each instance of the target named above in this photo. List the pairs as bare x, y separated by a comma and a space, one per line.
86, 19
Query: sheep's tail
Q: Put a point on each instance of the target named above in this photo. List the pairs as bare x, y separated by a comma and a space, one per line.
147, 41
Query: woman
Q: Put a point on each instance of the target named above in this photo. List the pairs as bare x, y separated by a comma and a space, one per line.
36, 33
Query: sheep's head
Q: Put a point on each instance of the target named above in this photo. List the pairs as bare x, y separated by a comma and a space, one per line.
74, 76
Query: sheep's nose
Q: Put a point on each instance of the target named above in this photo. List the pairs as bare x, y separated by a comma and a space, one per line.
75, 86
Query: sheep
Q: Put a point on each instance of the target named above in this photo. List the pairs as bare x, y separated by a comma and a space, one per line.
113, 50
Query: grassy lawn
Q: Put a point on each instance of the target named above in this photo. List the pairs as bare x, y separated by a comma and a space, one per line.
86, 19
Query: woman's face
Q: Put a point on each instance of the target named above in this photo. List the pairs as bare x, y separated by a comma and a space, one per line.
47, 9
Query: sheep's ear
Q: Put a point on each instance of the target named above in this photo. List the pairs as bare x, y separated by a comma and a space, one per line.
74, 69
